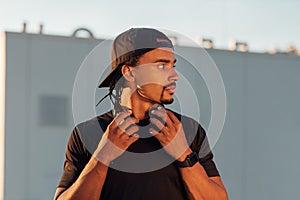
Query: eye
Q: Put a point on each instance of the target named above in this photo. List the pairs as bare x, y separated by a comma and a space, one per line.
161, 66
164, 66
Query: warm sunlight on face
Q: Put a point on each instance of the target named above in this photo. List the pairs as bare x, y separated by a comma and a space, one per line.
155, 75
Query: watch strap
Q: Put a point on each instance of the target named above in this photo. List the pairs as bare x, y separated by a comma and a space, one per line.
189, 161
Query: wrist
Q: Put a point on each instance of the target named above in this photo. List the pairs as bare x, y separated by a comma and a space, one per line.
102, 156
189, 161
104, 160
184, 155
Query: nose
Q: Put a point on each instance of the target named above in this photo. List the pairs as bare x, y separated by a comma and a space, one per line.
173, 75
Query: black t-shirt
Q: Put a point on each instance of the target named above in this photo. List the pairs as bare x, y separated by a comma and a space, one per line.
164, 182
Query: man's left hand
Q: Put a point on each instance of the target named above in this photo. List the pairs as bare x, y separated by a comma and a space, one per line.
171, 134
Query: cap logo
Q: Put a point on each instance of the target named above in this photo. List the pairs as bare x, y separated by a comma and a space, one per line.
161, 40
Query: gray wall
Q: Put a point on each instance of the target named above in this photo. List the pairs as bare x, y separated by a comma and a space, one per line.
38, 67
255, 154
258, 151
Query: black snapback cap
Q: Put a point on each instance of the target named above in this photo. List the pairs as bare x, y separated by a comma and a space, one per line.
135, 41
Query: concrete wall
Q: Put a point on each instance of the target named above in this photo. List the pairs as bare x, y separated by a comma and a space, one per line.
38, 67
256, 152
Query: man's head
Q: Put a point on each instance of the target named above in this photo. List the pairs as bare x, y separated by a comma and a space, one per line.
134, 54
153, 78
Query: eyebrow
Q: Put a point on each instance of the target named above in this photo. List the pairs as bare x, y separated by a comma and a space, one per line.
164, 61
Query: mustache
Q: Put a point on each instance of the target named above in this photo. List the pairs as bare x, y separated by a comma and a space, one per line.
170, 84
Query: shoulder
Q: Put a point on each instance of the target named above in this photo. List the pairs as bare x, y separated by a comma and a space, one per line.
100, 121
91, 131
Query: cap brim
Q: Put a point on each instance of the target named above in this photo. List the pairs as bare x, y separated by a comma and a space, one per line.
107, 80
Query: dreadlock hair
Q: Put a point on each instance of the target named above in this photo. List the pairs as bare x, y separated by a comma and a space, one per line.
117, 82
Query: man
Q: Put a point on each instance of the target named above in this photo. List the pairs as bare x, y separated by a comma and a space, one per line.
108, 157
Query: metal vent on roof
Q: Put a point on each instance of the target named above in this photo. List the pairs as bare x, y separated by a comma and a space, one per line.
206, 43
90, 34
238, 46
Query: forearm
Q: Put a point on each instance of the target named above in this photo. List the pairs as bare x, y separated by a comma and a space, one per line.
200, 186
89, 184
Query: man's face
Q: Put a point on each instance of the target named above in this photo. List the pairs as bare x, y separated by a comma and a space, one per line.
155, 75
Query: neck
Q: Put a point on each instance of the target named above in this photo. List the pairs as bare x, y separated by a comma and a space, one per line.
139, 105
125, 97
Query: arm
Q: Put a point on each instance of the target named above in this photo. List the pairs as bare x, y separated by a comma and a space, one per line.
172, 137
199, 185
119, 135
88, 185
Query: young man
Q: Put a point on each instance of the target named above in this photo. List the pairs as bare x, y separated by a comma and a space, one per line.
110, 156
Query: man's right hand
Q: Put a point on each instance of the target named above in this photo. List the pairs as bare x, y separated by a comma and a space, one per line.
119, 135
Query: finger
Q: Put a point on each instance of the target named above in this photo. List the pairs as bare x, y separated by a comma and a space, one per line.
156, 134
158, 124
131, 131
173, 118
134, 138
163, 116
120, 118
159, 110
127, 122
156, 107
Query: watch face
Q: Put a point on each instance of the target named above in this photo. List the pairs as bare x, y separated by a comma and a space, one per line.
193, 159
190, 160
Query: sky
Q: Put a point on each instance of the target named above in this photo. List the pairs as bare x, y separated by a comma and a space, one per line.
262, 24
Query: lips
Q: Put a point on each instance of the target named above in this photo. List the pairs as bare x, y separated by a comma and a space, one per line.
171, 87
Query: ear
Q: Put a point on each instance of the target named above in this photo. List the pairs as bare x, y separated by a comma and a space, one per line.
127, 73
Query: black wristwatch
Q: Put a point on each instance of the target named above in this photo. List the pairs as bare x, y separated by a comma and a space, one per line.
189, 161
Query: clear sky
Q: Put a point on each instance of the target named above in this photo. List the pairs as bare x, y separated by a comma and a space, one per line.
263, 24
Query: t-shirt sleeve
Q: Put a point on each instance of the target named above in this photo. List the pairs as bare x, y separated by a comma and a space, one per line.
76, 158
201, 145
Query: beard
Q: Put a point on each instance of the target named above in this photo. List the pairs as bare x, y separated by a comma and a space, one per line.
167, 101
154, 93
